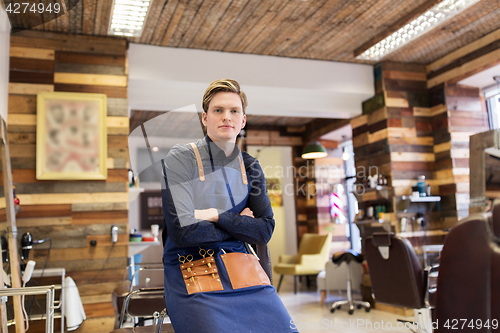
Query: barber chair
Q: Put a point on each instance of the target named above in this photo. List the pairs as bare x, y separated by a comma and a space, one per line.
468, 296
348, 256
138, 301
397, 277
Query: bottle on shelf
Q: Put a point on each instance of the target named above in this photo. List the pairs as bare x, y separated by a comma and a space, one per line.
421, 186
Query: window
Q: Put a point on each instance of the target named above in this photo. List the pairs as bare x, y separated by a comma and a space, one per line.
493, 104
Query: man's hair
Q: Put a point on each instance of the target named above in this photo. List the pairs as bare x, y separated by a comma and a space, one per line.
224, 85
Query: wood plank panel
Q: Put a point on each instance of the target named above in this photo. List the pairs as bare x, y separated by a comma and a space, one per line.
70, 43
81, 277
29, 88
29, 64
99, 207
22, 104
468, 69
31, 53
85, 59
412, 157
174, 21
99, 310
116, 92
70, 187
116, 217
463, 51
92, 253
91, 79
72, 198
40, 221
22, 122
229, 24
29, 176
117, 107
105, 241
212, 20
76, 265
89, 69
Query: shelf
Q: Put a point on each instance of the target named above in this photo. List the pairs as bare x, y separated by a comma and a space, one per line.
422, 199
373, 194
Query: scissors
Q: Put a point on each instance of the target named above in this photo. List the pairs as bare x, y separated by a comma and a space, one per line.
208, 252
187, 258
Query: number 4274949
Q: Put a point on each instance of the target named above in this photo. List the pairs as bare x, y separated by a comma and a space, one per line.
40, 8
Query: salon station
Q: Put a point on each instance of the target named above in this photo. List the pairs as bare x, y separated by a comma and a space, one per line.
376, 124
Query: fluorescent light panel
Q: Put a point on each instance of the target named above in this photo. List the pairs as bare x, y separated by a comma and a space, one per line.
416, 28
128, 17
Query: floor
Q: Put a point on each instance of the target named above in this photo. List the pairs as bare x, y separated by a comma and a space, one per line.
309, 317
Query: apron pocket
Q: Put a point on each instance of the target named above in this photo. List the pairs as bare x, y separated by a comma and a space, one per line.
198, 277
244, 270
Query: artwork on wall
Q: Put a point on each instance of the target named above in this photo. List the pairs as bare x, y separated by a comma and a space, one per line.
71, 138
274, 191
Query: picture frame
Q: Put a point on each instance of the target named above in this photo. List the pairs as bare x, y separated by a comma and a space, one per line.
71, 136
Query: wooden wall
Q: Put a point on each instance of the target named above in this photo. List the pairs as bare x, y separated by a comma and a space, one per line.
463, 116
408, 130
72, 213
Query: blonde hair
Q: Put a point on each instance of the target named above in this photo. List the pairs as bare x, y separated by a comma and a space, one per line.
224, 85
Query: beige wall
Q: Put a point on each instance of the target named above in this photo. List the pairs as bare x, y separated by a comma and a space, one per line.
274, 162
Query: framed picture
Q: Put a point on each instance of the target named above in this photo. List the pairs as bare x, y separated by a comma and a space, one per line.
71, 137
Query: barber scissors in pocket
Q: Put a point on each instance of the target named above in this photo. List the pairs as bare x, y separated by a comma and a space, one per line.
208, 252
187, 258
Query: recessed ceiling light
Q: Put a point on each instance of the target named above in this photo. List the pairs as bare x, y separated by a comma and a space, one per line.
128, 17
416, 28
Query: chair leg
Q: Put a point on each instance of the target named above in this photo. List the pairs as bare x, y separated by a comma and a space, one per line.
295, 284
323, 296
279, 284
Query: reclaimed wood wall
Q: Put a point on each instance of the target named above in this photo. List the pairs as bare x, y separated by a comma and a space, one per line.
72, 213
408, 130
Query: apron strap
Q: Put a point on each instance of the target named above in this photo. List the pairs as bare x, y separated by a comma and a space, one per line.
200, 165
243, 173
198, 161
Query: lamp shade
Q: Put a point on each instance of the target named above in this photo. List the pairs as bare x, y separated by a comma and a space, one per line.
314, 149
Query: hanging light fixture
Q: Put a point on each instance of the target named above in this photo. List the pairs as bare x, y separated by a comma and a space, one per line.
314, 149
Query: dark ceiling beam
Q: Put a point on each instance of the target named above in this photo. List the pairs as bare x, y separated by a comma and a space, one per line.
397, 25
320, 127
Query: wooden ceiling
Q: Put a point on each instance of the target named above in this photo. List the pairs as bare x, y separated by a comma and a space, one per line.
313, 29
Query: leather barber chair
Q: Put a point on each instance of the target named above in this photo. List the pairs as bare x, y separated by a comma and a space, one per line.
468, 292
138, 301
397, 277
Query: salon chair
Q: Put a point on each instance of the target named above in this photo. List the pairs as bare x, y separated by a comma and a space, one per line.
310, 259
397, 277
146, 298
468, 288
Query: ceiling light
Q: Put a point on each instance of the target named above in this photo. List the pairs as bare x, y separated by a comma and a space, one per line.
313, 150
419, 26
128, 17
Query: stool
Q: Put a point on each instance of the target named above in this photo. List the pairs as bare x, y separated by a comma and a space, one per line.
348, 256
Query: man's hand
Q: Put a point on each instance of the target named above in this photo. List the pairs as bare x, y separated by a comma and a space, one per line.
210, 214
247, 212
